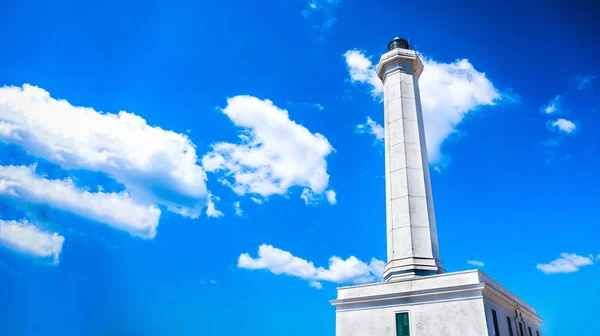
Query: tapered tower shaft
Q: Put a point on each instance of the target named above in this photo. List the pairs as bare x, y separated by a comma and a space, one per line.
412, 243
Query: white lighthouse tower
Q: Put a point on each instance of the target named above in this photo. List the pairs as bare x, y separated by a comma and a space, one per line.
417, 297
411, 231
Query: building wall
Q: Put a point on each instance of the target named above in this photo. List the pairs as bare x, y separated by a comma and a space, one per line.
449, 304
502, 311
446, 318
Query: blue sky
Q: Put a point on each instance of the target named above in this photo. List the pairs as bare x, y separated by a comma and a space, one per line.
243, 180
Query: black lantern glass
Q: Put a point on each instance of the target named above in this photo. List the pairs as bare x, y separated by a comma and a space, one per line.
398, 43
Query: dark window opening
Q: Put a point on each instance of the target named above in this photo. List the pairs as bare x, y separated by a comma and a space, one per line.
510, 331
496, 330
530, 334
521, 329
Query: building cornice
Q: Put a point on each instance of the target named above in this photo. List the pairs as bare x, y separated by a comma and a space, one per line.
429, 289
456, 293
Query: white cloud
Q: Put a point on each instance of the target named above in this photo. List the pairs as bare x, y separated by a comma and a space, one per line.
562, 125
331, 197
238, 208
583, 81
339, 271
117, 210
362, 70
25, 238
274, 153
449, 91
476, 263
256, 200
311, 198
8, 131
211, 210
155, 165
553, 105
315, 284
376, 267
371, 127
567, 263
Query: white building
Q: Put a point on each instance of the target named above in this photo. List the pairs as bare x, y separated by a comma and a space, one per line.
417, 297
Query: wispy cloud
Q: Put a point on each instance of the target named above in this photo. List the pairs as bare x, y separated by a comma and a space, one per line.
339, 271
321, 14
373, 128
476, 263
211, 209
550, 143
238, 209
583, 81
117, 210
318, 107
553, 106
551, 147
310, 198
24, 237
559, 126
566, 263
